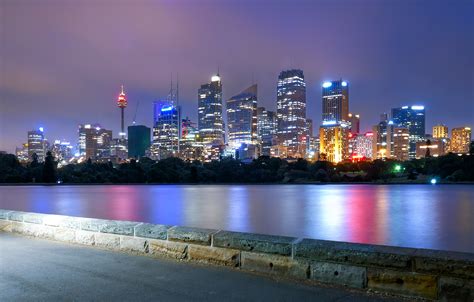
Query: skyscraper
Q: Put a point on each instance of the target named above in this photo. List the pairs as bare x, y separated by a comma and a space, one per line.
460, 140
401, 139
36, 144
242, 118
412, 118
440, 131
354, 119
291, 112
94, 141
333, 144
138, 140
335, 101
166, 132
210, 123
266, 129
122, 104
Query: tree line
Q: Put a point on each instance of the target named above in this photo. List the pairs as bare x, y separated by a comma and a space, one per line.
448, 168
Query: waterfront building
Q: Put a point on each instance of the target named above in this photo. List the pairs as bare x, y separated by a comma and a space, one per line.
460, 140
266, 129
36, 144
210, 122
334, 141
291, 112
354, 120
440, 131
138, 140
242, 118
401, 143
335, 101
94, 141
430, 147
412, 118
167, 132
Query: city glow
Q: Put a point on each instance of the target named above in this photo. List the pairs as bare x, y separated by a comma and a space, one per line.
41, 129
215, 78
327, 84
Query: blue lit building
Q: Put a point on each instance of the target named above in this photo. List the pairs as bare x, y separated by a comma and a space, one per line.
210, 122
138, 140
292, 130
242, 117
167, 132
335, 101
412, 118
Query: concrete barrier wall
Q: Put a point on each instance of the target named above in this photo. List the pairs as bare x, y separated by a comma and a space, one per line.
431, 274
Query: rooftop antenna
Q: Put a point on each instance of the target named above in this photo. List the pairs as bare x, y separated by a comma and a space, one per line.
135, 116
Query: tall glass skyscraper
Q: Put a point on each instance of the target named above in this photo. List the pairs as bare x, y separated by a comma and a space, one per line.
291, 112
335, 101
36, 144
166, 133
266, 129
210, 123
138, 140
242, 117
412, 118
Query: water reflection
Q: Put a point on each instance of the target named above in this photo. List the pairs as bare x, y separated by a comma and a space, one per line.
439, 217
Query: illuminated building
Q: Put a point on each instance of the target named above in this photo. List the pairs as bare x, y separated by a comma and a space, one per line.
440, 131
382, 139
460, 140
36, 144
190, 146
333, 141
122, 104
361, 145
291, 112
118, 150
313, 148
279, 151
210, 123
335, 101
435, 147
22, 153
354, 119
94, 141
412, 118
401, 143
266, 129
138, 140
242, 118
166, 133
62, 151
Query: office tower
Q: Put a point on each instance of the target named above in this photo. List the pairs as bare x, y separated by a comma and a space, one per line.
242, 118
190, 146
440, 131
412, 118
291, 112
94, 141
22, 153
138, 140
460, 140
383, 138
36, 144
62, 151
430, 147
354, 119
166, 133
401, 143
266, 129
210, 123
335, 101
334, 144
122, 103
118, 150
361, 146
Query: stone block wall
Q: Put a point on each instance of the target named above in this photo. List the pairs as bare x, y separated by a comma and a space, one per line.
431, 274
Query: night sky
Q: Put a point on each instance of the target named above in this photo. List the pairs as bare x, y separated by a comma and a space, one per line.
62, 62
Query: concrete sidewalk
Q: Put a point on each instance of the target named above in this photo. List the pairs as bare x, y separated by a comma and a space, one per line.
41, 270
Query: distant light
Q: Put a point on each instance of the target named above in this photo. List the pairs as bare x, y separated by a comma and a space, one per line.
41, 129
344, 83
405, 107
390, 122
327, 84
167, 108
416, 107
369, 134
97, 128
398, 168
122, 133
433, 181
215, 78
87, 126
327, 123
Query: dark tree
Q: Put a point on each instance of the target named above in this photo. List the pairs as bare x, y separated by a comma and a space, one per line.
428, 147
49, 169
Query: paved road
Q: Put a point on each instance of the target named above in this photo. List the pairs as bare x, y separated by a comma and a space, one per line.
42, 270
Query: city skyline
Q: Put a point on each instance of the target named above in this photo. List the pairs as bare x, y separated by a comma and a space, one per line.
39, 91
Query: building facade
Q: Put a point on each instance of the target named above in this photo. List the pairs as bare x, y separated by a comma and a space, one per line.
401, 143
94, 141
460, 140
354, 119
210, 123
138, 140
440, 131
335, 101
291, 112
412, 118
242, 118
36, 144
266, 129
334, 141
167, 133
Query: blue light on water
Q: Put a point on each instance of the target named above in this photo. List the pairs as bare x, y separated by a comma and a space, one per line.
433, 181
